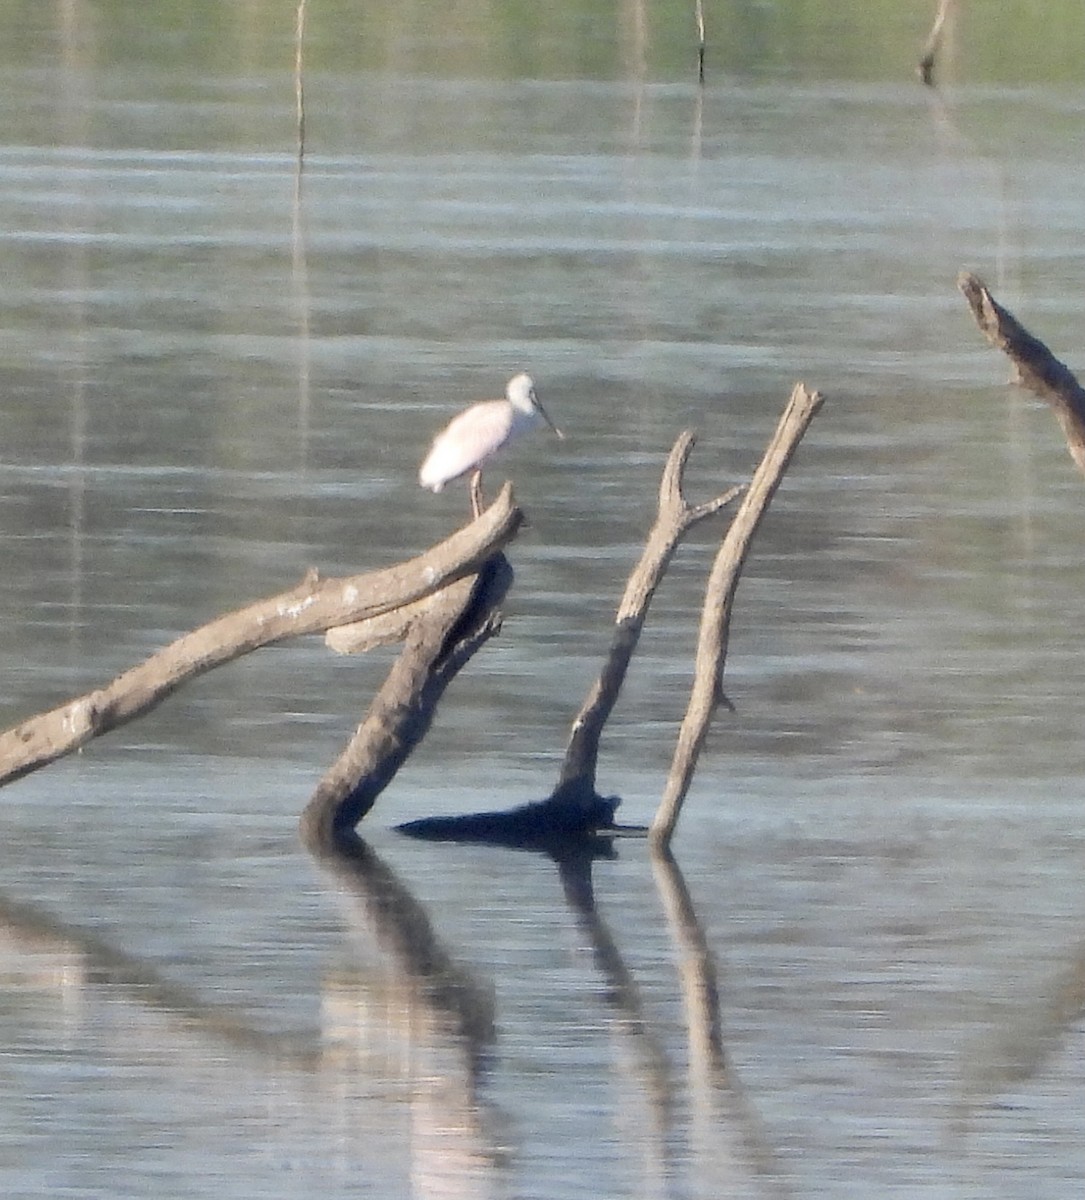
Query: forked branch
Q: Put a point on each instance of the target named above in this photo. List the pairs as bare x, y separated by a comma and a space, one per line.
674, 519
716, 613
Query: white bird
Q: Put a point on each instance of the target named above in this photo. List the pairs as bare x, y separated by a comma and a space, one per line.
476, 434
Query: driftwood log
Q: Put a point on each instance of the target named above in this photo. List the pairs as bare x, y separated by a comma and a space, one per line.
1035, 367
443, 606
314, 606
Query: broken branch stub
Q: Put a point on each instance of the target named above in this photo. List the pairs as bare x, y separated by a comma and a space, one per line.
716, 611
313, 606
1035, 367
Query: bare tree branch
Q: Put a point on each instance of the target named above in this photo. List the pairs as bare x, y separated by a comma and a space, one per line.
1035, 367
453, 625
312, 607
674, 519
716, 613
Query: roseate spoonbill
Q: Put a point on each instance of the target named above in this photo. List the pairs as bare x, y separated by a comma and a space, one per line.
476, 434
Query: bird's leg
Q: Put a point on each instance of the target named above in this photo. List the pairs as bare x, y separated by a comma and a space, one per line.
475, 488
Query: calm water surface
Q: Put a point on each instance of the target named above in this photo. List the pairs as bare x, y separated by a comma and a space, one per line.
866, 974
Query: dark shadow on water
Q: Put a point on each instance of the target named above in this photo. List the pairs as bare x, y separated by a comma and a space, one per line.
561, 822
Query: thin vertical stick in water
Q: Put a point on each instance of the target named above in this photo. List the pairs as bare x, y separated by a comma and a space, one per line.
934, 41
706, 692
700, 42
299, 83
299, 260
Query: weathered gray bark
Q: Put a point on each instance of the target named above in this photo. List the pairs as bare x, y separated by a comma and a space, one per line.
312, 607
1035, 367
716, 612
674, 520
446, 630
575, 809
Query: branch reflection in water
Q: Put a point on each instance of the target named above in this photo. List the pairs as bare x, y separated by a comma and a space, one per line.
416, 1032
729, 1137
435, 1017
1021, 1044
428, 1033
40, 952
448, 1020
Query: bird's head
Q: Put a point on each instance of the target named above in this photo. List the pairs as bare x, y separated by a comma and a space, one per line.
520, 393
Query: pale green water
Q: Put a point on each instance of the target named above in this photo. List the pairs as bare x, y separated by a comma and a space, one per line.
206, 388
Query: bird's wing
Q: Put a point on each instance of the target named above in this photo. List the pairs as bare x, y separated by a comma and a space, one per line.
467, 441
483, 425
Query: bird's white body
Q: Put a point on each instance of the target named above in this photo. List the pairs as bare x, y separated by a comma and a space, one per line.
475, 435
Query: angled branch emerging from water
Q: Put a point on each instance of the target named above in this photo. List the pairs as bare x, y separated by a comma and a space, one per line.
314, 606
716, 613
445, 632
674, 520
1035, 367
